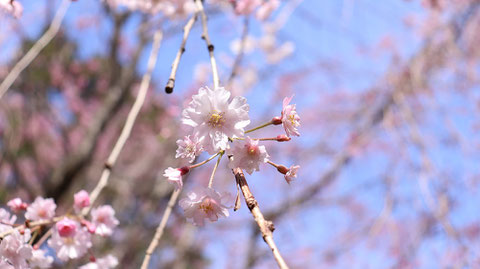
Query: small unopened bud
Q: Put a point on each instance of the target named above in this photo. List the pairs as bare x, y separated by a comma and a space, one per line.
277, 120
66, 227
283, 138
92, 258
91, 228
282, 169
184, 170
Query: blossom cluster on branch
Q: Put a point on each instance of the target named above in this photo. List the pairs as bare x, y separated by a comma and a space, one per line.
69, 235
219, 123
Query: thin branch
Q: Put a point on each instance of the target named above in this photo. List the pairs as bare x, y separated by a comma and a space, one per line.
241, 52
266, 227
37, 47
132, 116
161, 227
173, 73
210, 47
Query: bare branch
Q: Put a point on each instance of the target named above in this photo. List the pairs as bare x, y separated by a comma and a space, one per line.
37, 47
266, 227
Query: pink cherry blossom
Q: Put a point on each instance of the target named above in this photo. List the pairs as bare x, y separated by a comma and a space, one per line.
81, 200
17, 205
247, 155
245, 7
66, 227
39, 259
174, 176
216, 118
290, 118
70, 247
292, 173
6, 220
15, 250
106, 262
104, 219
266, 9
189, 147
13, 8
205, 203
41, 209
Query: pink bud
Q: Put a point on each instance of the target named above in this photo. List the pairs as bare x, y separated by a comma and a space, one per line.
184, 170
90, 226
277, 120
283, 138
16, 205
66, 227
81, 200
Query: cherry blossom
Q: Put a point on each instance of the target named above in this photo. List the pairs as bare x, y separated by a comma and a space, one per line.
66, 227
174, 176
266, 9
205, 203
106, 262
39, 259
70, 247
17, 205
248, 155
292, 173
104, 219
189, 147
13, 8
214, 117
81, 200
6, 220
245, 7
41, 209
15, 250
290, 118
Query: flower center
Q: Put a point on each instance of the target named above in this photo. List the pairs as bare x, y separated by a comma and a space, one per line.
252, 150
292, 119
207, 207
216, 119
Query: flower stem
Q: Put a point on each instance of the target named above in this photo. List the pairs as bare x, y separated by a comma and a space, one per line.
210, 183
204, 162
259, 127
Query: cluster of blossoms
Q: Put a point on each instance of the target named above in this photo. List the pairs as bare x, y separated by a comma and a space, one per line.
11, 7
170, 8
70, 234
262, 9
219, 124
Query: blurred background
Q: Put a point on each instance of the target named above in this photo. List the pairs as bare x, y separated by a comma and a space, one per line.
388, 95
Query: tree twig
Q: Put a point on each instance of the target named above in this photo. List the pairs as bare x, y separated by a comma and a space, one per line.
161, 227
37, 47
173, 73
266, 226
210, 47
132, 116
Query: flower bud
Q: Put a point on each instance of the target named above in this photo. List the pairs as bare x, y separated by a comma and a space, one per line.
282, 169
277, 120
184, 170
283, 138
81, 200
66, 227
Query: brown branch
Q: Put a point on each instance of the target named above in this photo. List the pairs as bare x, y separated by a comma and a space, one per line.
266, 226
186, 33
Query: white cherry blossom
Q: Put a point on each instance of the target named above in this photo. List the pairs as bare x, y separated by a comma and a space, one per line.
216, 118
247, 155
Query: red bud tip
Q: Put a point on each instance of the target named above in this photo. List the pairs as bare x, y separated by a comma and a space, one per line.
36, 247
184, 170
92, 258
283, 138
282, 169
276, 121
